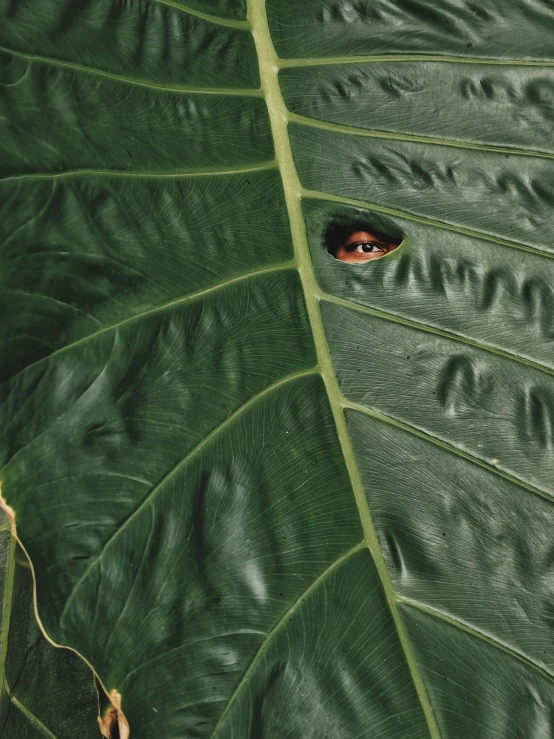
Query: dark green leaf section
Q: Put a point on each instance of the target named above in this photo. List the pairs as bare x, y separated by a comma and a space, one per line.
455, 537
518, 29
467, 103
145, 41
476, 689
496, 409
504, 196
330, 671
47, 693
56, 119
247, 530
91, 252
116, 413
439, 279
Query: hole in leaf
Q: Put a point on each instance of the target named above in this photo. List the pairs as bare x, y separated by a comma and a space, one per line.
357, 242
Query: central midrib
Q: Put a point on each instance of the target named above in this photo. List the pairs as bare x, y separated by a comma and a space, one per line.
278, 114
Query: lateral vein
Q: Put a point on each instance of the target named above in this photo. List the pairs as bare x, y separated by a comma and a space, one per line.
40, 59
31, 716
412, 138
456, 623
283, 620
369, 59
420, 326
431, 438
424, 220
179, 466
260, 167
216, 20
160, 309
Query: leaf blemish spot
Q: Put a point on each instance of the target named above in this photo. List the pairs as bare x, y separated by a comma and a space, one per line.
358, 242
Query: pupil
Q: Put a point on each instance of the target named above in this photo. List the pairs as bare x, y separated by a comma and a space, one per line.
367, 248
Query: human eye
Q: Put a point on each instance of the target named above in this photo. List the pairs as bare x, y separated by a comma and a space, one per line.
361, 246
366, 247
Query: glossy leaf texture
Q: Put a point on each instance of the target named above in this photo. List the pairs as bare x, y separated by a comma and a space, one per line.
46, 692
267, 493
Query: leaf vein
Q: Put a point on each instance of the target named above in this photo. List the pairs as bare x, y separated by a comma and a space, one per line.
260, 167
179, 466
407, 215
447, 334
160, 309
50, 61
216, 20
368, 59
433, 439
32, 718
435, 613
392, 136
292, 188
284, 618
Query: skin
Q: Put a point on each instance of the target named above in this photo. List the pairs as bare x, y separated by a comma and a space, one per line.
361, 246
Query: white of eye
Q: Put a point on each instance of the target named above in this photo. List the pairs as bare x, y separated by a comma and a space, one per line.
367, 248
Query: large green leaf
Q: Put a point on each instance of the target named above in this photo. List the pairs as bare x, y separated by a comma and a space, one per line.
268, 493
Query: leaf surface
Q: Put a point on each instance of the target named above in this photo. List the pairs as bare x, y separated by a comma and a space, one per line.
47, 693
268, 493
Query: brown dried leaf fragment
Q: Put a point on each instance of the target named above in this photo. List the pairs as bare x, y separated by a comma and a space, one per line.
114, 717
